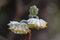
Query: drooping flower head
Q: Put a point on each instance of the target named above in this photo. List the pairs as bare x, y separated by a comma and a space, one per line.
37, 23
19, 27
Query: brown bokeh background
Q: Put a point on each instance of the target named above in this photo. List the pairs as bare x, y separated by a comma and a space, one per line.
49, 10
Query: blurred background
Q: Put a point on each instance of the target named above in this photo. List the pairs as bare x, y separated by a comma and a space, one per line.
49, 10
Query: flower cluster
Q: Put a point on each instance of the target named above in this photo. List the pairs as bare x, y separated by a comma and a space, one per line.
23, 27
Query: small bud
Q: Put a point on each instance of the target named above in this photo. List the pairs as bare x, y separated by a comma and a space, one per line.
33, 10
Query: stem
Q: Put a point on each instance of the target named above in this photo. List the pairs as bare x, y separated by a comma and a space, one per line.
37, 17
23, 21
32, 16
29, 36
